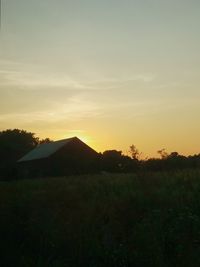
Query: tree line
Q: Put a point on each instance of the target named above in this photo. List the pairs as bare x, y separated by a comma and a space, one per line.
15, 143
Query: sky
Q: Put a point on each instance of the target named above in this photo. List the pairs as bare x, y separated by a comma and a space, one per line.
112, 72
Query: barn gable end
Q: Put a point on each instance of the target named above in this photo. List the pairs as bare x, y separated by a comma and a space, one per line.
63, 157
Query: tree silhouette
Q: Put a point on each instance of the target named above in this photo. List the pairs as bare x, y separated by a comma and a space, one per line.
163, 154
45, 141
115, 161
13, 145
134, 152
111, 160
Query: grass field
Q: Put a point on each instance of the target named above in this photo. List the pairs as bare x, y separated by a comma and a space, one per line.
117, 220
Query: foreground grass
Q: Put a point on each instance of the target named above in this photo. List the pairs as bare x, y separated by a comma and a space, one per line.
101, 220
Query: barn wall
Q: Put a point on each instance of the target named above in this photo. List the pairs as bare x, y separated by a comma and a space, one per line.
75, 157
34, 168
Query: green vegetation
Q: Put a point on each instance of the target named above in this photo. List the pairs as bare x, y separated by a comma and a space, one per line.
118, 220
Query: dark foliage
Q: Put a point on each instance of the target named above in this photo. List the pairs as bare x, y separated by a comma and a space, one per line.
115, 161
13, 145
173, 161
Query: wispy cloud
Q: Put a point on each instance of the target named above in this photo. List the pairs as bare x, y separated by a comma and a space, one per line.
34, 78
75, 109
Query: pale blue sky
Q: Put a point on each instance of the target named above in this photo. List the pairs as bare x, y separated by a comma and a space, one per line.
113, 72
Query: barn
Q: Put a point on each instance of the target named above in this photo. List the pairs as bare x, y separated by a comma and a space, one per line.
63, 157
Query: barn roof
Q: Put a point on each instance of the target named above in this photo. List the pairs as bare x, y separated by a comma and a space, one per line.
46, 150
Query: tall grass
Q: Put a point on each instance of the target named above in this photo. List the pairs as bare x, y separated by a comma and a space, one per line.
150, 219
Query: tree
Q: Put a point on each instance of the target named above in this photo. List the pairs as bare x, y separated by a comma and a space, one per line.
112, 160
163, 154
115, 161
174, 155
134, 152
15, 143
45, 141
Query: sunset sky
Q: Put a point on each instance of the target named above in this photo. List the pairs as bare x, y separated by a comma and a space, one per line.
111, 72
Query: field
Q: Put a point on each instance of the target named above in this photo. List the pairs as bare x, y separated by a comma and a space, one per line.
111, 220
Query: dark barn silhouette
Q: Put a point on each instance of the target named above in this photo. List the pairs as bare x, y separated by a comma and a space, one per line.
63, 157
